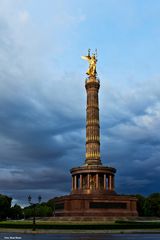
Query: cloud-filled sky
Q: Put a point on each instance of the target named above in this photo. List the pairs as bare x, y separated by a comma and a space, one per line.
42, 93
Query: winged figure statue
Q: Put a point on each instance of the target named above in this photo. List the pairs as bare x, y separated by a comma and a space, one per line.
92, 63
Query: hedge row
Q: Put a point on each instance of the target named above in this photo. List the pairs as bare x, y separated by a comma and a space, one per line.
133, 225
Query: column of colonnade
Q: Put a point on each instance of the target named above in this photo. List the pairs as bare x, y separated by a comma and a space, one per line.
77, 182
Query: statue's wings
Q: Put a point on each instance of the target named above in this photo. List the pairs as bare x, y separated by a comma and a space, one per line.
86, 57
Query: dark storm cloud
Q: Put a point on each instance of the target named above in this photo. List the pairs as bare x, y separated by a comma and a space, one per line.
30, 141
40, 127
41, 178
34, 147
42, 123
133, 142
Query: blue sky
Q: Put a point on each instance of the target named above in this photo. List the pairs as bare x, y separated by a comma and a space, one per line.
42, 94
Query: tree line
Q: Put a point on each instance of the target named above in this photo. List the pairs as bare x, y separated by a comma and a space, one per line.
146, 206
7, 211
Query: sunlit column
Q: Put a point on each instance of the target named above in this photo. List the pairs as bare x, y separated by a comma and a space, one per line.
88, 180
109, 182
97, 181
75, 182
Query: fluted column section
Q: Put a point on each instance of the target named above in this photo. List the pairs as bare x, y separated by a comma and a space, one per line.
92, 122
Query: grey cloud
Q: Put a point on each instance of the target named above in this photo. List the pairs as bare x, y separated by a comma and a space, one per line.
133, 143
42, 125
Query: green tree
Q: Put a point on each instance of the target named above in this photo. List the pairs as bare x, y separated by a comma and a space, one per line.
51, 204
140, 204
5, 205
152, 205
41, 210
16, 212
28, 212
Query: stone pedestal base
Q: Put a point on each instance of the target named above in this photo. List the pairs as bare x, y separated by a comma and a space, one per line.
98, 205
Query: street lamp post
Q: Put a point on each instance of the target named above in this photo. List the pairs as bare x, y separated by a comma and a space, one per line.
34, 209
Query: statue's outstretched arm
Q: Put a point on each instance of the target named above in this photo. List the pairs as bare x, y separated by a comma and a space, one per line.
86, 58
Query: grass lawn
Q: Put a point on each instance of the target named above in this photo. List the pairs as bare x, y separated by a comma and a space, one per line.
97, 225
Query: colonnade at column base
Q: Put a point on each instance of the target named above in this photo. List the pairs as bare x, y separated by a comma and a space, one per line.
89, 179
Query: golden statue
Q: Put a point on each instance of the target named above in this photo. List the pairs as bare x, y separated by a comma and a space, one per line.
92, 63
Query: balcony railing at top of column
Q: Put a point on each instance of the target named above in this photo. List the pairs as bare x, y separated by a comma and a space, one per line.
91, 80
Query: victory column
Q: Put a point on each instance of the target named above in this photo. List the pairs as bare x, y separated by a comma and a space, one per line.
93, 190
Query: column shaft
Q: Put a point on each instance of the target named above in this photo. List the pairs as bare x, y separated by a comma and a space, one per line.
97, 181
88, 180
81, 181
75, 182
110, 182
72, 183
92, 122
104, 181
